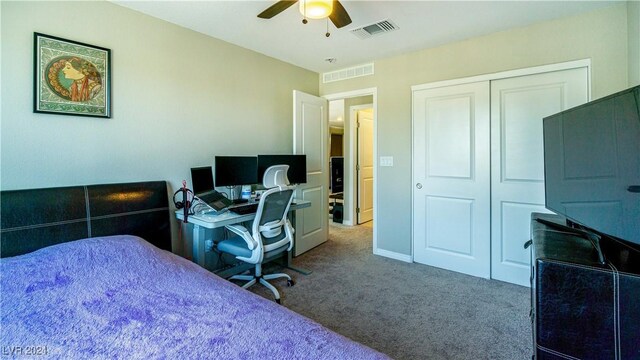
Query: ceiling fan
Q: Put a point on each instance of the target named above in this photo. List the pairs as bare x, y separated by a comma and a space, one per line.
312, 9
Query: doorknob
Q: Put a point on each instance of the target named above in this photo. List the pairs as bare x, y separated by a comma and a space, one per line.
419, 186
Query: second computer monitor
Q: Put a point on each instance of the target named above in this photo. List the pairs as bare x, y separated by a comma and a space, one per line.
236, 170
297, 173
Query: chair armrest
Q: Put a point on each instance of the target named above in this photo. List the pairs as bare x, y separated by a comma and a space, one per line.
243, 233
288, 228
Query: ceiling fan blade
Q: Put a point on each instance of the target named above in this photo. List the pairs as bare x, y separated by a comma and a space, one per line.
339, 15
276, 9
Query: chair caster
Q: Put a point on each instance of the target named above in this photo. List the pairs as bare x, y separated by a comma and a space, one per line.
290, 283
278, 301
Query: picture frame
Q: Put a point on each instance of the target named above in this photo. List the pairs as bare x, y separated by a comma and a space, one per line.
71, 78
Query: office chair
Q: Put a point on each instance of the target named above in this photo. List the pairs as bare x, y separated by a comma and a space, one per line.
271, 233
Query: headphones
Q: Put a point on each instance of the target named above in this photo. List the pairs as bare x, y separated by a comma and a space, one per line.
185, 202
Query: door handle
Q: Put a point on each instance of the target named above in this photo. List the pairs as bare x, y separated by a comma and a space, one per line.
419, 186
634, 189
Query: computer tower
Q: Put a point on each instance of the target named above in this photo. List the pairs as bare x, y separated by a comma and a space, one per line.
338, 209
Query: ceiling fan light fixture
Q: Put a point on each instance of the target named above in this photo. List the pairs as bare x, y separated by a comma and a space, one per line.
316, 9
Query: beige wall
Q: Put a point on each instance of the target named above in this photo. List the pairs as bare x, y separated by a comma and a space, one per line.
633, 23
179, 98
600, 36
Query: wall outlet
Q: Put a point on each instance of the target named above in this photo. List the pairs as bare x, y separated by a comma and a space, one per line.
386, 160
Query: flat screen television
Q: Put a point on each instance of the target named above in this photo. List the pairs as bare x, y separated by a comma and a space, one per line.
297, 173
336, 181
592, 165
236, 170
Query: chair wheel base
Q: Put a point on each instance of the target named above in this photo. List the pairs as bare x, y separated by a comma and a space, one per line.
290, 283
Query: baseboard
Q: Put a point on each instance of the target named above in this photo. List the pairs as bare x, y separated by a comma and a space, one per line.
393, 255
347, 222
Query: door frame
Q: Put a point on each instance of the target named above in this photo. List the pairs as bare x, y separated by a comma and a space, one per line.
487, 77
354, 189
351, 94
512, 73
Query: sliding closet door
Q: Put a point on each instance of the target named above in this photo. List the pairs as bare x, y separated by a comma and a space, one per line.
451, 200
517, 164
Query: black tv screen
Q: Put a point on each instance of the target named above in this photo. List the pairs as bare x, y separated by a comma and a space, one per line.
297, 173
236, 170
592, 164
202, 179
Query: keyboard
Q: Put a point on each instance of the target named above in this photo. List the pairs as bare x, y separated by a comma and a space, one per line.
244, 209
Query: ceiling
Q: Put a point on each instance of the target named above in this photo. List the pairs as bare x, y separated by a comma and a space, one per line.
422, 24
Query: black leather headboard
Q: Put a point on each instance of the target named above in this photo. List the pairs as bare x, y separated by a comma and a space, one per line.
35, 218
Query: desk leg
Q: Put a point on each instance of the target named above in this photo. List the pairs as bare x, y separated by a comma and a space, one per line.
289, 264
300, 270
198, 245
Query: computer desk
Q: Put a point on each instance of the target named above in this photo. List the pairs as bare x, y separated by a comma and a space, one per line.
203, 226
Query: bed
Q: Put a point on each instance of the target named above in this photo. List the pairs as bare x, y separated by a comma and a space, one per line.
87, 274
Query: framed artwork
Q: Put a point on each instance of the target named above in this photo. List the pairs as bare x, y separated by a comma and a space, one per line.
71, 78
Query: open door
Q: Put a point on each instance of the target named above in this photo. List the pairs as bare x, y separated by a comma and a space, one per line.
365, 164
310, 137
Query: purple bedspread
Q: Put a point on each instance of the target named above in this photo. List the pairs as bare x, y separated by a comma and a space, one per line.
120, 297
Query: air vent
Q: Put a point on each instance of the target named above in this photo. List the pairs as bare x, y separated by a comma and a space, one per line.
378, 28
348, 73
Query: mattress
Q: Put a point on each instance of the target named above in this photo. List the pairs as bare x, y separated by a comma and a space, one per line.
121, 297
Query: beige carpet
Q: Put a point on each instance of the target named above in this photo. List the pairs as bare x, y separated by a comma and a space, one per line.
408, 311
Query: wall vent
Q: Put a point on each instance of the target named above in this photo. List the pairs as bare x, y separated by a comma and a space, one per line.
348, 73
378, 28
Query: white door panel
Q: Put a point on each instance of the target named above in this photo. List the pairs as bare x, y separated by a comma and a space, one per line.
449, 150
440, 236
310, 137
451, 178
517, 160
514, 217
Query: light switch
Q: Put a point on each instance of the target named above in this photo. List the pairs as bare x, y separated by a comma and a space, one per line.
386, 160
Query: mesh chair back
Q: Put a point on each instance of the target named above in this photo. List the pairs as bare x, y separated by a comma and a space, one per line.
271, 225
275, 206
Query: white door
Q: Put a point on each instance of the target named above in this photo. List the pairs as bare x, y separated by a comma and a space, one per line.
365, 165
451, 200
517, 161
310, 137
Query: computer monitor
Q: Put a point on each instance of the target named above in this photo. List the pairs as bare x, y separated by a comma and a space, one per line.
337, 174
297, 173
202, 179
236, 170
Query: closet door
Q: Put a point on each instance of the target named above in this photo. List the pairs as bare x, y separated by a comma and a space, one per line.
517, 163
451, 200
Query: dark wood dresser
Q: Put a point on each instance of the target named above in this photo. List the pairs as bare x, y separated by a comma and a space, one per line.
582, 308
